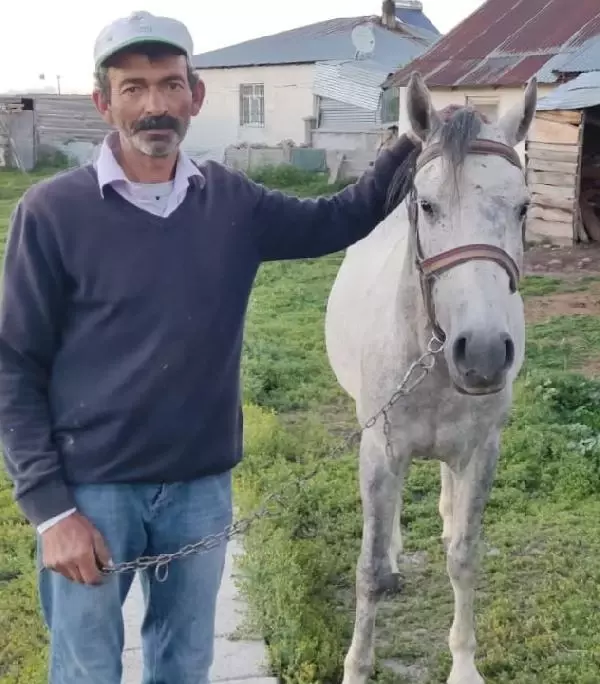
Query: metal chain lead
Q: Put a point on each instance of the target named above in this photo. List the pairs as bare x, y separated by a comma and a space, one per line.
424, 364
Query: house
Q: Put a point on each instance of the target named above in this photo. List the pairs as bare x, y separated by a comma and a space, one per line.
563, 155
261, 91
486, 60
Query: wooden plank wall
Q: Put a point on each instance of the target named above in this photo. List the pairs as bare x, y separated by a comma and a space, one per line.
65, 118
553, 153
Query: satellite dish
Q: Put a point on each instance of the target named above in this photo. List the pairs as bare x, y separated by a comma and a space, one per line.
363, 39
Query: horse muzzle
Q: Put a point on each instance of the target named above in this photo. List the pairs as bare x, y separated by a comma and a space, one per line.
479, 361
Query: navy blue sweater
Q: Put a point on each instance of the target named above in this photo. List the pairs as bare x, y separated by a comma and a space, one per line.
121, 332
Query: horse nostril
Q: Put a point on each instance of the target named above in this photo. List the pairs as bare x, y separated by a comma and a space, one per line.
459, 350
509, 347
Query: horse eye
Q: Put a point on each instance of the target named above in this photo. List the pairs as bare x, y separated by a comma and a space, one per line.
523, 209
427, 207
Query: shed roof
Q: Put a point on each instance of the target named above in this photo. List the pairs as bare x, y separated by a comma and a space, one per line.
585, 58
505, 43
353, 82
580, 93
325, 40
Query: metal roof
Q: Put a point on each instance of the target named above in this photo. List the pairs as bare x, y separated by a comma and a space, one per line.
325, 40
355, 82
580, 93
416, 18
586, 58
506, 42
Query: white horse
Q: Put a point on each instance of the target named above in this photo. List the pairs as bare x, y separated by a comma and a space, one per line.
440, 272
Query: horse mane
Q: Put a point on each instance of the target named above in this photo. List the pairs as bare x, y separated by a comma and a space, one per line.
460, 127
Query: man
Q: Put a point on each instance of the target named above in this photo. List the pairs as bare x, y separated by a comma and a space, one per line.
124, 295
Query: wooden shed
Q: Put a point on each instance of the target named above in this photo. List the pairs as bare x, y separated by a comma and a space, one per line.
563, 164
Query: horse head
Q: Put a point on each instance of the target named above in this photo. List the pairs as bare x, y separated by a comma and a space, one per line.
467, 209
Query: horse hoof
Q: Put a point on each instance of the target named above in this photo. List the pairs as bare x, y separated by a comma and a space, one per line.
392, 584
469, 677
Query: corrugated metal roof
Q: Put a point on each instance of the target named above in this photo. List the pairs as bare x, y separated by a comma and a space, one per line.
318, 42
586, 58
524, 33
340, 116
350, 81
416, 18
580, 93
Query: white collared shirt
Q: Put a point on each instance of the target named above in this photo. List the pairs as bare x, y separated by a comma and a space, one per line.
160, 199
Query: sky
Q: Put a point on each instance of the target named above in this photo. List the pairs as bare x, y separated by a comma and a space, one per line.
54, 38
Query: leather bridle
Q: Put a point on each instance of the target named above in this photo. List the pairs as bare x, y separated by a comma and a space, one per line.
431, 267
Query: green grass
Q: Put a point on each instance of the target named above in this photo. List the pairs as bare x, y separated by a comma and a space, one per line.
538, 593
563, 343
536, 286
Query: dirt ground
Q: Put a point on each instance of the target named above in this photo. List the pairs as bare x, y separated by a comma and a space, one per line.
584, 303
555, 261
569, 264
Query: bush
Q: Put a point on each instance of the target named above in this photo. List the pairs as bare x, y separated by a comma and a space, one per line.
285, 176
552, 443
294, 180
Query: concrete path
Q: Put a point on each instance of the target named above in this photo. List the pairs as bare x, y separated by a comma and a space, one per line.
236, 662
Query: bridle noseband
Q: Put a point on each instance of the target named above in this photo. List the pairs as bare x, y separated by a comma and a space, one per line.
431, 267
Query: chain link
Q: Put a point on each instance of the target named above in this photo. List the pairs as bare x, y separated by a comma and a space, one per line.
419, 368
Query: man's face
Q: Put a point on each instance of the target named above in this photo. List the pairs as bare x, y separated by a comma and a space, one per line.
151, 102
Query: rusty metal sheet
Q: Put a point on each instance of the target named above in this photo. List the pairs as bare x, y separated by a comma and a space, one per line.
526, 34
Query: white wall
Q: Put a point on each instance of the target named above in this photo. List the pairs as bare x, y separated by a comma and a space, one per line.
288, 99
442, 97
347, 140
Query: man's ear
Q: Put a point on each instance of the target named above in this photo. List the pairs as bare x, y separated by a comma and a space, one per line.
102, 104
198, 95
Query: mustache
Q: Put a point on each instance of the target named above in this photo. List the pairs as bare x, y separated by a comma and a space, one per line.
161, 122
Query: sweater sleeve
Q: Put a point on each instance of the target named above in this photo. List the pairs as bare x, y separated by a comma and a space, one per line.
31, 310
291, 228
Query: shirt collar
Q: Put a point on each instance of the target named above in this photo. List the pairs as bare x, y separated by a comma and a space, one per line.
110, 172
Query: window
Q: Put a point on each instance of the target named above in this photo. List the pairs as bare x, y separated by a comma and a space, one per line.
486, 106
252, 104
390, 105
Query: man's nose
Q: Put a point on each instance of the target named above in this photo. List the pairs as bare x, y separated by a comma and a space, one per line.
156, 102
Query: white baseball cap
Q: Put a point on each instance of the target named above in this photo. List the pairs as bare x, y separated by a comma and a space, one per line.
141, 27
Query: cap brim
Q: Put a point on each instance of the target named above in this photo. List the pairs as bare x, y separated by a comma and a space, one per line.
136, 41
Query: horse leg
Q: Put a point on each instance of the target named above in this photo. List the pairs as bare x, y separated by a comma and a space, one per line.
396, 543
445, 504
379, 485
471, 488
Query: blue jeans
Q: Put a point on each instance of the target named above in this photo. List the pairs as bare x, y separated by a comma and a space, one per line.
86, 622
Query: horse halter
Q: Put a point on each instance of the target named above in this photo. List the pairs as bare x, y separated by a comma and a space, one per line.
429, 268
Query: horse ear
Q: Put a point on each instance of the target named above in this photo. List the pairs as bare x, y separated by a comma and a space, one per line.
516, 122
421, 114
